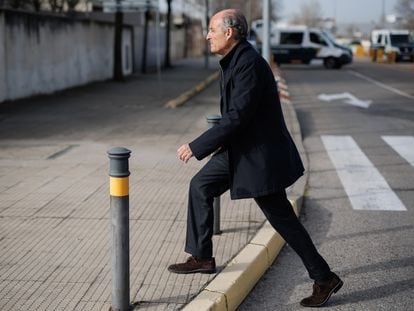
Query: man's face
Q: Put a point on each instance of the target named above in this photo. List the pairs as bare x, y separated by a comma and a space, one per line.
217, 37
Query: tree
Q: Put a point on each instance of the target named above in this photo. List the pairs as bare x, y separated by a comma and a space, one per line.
37, 4
56, 5
71, 4
119, 21
277, 8
405, 9
167, 59
309, 15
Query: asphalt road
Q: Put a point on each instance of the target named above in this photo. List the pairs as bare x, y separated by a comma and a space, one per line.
359, 205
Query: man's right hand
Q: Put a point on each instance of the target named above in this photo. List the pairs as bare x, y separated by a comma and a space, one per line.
184, 153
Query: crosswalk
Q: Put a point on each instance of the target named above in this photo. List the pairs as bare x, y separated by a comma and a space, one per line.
366, 188
403, 145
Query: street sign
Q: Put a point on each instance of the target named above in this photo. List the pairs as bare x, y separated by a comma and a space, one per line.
111, 6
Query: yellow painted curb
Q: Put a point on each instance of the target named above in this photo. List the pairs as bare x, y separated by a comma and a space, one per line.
180, 100
208, 300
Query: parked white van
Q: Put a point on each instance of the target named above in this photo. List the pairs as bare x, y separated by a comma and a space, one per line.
398, 41
301, 44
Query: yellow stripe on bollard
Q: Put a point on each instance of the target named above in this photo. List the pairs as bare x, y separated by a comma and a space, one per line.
119, 187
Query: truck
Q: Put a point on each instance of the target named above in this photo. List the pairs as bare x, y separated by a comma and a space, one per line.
393, 41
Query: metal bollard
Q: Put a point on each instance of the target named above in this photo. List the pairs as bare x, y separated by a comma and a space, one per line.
119, 192
213, 120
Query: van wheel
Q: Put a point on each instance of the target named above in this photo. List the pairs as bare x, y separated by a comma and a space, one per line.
331, 63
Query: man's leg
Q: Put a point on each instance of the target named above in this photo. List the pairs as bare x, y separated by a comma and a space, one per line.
211, 181
281, 216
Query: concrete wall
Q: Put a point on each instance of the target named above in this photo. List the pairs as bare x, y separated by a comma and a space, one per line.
42, 54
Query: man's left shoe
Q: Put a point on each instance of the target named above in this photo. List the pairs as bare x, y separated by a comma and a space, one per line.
322, 292
194, 265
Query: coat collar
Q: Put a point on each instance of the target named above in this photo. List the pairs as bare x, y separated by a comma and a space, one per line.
229, 60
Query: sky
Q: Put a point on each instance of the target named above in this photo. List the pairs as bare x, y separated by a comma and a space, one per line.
345, 11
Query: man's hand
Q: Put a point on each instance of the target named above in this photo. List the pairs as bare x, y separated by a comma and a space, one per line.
184, 153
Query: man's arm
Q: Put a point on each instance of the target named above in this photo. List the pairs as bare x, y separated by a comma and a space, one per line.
246, 97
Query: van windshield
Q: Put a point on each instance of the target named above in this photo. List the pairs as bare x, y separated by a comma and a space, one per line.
291, 37
400, 39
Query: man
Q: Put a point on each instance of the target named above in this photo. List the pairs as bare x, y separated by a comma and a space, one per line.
255, 157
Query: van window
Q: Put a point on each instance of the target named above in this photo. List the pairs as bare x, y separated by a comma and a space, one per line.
317, 38
291, 37
379, 39
400, 39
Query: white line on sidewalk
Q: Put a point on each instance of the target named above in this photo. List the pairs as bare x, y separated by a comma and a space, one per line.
403, 145
387, 87
363, 183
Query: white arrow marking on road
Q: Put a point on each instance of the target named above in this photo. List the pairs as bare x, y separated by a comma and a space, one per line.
363, 183
349, 99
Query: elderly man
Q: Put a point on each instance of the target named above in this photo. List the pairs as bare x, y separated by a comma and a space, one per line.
255, 157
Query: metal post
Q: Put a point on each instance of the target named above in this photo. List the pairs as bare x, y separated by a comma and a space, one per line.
266, 31
213, 120
206, 59
119, 192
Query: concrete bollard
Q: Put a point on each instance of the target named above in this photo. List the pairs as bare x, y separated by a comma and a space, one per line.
119, 192
359, 52
213, 120
380, 56
391, 57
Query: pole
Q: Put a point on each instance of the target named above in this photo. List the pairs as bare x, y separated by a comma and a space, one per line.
167, 60
119, 192
145, 38
206, 60
266, 31
213, 120
119, 20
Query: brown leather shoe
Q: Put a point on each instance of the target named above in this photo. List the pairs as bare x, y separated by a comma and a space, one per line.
194, 265
322, 292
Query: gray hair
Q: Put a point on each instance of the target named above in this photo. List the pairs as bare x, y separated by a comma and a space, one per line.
236, 20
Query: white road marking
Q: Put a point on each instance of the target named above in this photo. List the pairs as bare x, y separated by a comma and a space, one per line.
349, 99
403, 145
363, 183
384, 86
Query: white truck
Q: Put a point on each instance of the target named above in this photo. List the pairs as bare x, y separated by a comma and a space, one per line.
302, 44
398, 41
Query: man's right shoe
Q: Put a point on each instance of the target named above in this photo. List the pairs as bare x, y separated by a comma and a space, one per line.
322, 292
194, 265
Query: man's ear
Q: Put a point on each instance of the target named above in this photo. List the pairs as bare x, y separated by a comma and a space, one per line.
229, 33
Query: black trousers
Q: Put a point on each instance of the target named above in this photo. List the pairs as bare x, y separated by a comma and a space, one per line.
213, 180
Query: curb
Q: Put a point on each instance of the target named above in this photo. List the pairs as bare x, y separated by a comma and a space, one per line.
180, 100
232, 285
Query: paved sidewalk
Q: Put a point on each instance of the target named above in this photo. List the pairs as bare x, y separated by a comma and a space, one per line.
54, 193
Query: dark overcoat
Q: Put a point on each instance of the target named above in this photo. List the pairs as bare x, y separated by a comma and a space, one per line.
263, 158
